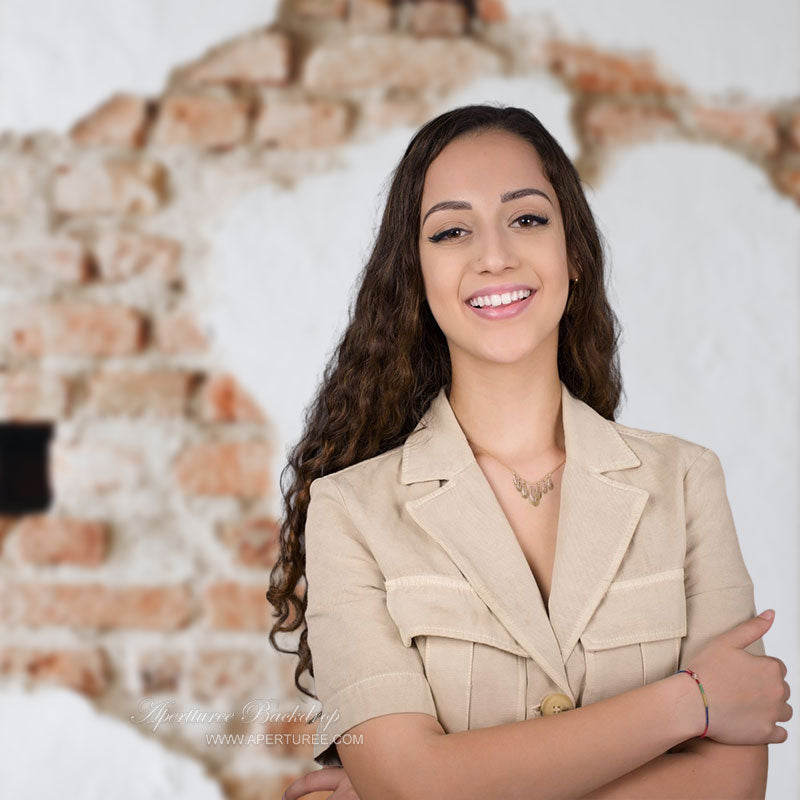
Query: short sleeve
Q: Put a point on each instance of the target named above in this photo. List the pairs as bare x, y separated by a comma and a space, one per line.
362, 669
719, 590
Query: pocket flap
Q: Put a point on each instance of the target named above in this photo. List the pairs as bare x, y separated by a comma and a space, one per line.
437, 605
640, 609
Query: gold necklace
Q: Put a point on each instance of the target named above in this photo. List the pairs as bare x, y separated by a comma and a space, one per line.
530, 491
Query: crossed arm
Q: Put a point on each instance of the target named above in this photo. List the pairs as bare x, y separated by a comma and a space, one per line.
699, 768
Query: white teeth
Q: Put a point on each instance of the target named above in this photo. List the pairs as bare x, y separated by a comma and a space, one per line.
499, 299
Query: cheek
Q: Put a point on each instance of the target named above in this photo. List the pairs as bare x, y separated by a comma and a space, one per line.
441, 290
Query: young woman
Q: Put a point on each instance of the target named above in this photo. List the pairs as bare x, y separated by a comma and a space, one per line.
484, 547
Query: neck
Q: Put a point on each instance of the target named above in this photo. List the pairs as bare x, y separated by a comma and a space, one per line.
518, 423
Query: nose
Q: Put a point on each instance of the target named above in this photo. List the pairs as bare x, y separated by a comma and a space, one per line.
495, 252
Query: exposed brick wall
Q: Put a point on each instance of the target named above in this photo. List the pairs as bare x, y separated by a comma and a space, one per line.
148, 573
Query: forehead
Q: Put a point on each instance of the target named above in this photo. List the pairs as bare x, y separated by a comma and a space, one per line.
490, 162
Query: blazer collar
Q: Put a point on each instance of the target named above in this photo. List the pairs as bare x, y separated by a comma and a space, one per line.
597, 517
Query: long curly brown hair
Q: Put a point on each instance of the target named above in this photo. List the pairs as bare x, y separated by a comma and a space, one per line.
392, 358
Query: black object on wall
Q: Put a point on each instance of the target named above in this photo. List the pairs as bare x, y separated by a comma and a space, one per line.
24, 473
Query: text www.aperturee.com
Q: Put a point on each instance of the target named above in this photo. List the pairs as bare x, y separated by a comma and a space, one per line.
268, 739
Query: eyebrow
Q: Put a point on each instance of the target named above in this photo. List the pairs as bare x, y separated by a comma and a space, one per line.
514, 194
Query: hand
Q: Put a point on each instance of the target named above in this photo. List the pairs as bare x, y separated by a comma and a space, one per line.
321, 780
746, 694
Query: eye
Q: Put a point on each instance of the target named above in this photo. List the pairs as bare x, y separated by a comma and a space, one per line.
444, 235
539, 218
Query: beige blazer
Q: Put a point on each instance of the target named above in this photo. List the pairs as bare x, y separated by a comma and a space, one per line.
420, 597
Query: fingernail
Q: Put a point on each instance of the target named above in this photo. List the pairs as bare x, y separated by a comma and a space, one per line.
768, 614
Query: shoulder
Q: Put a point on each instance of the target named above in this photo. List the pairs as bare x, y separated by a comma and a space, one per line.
658, 448
375, 474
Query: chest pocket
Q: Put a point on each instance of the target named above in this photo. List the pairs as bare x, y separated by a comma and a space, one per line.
634, 636
475, 668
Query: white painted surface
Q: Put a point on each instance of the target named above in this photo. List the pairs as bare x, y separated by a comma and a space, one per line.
55, 746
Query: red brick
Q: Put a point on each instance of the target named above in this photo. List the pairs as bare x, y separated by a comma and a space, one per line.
755, 128
31, 395
794, 131
438, 18
225, 468
75, 328
112, 186
57, 259
372, 15
201, 120
788, 179
297, 737
15, 191
180, 332
86, 670
320, 9
223, 399
160, 671
6, 524
301, 123
159, 392
230, 674
262, 57
233, 606
290, 738
591, 70
254, 542
121, 121
394, 61
94, 605
379, 113
120, 254
52, 540
491, 10
609, 123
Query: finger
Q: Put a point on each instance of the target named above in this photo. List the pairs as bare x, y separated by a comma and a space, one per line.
319, 780
779, 735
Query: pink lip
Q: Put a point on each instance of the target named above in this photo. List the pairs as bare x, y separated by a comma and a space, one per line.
503, 312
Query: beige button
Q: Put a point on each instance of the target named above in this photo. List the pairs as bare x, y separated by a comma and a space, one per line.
556, 703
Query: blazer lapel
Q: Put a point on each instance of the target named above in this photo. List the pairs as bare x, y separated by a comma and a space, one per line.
597, 518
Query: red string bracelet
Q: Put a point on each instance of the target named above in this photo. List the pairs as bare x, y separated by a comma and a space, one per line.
694, 675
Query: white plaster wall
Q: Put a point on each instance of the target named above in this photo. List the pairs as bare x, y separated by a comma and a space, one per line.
56, 746
703, 254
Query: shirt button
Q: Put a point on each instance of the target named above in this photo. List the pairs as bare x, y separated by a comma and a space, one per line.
556, 703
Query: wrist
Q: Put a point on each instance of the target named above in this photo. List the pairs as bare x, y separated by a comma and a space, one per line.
688, 719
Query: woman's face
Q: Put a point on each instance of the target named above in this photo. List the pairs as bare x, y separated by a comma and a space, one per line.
492, 235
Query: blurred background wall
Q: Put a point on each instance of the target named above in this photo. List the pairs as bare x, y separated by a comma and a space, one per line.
188, 191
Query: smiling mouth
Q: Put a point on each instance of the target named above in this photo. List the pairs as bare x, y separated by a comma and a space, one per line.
499, 300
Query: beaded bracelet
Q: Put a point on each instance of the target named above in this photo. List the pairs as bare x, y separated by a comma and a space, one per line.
694, 675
